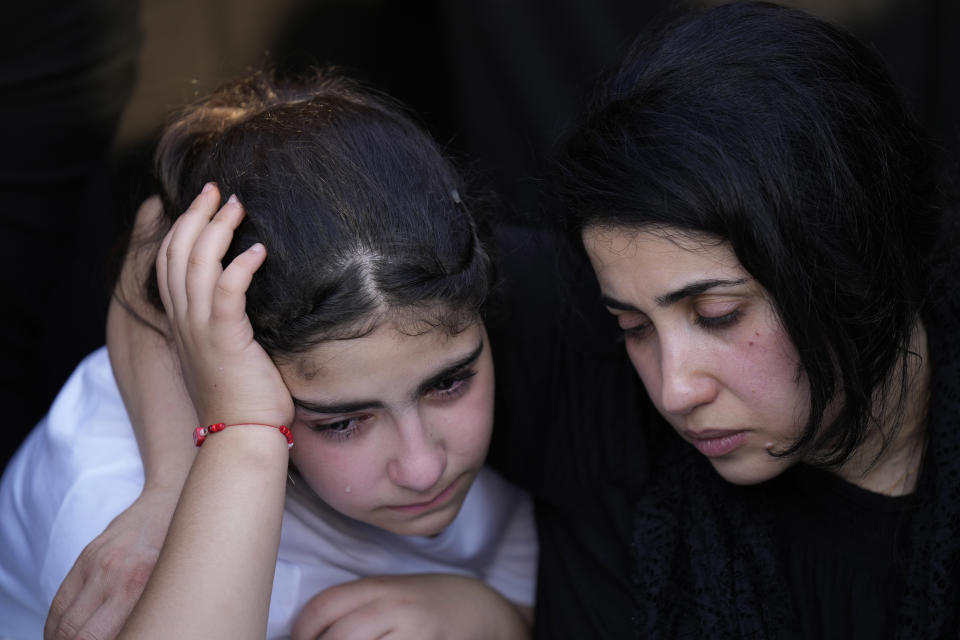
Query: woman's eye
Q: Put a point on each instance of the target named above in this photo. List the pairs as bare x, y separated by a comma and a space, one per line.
451, 387
638, 332
718, 322
633, 325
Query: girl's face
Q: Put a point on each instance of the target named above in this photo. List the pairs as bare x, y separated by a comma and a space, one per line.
391, 429
707, 344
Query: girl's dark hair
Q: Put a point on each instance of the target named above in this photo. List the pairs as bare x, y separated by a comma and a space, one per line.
360, 212
772, 130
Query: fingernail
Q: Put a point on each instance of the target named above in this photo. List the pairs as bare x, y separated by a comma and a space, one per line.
207, 187
233, 199
257, 247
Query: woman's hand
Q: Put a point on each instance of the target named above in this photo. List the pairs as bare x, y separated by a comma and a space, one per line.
230, 377
108, 577
428, 606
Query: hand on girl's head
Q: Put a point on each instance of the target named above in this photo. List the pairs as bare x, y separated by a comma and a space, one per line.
231, 379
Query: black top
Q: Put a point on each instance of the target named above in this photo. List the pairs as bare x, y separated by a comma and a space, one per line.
844, 554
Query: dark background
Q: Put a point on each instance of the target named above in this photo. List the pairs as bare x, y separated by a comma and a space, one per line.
85, 84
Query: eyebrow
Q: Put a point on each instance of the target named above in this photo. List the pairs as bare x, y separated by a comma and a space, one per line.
361, 405
688, 291
450, 370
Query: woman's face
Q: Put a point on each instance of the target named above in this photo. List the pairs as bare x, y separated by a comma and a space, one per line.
707, 344
391, 429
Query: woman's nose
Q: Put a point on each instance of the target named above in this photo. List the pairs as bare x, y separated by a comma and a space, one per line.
686, 378
420, 461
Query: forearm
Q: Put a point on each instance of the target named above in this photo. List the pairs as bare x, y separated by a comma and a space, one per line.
222, 542
148, 375
146, 365
215, 571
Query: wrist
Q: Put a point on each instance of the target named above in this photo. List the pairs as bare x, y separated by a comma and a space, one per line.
201, 433
253, 448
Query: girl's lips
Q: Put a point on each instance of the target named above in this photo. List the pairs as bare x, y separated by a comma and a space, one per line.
441, 498
715, 443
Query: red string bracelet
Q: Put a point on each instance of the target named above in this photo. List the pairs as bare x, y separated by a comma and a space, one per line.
200, 433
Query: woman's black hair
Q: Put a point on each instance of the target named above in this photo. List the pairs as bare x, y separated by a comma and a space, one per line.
361, 214
772, 130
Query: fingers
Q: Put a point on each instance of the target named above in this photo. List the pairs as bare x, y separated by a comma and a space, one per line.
92, 615
177, 249
85, 608
230, 301
335, 611
369, 621
204, 268
190, 276
65, 619
325, 608
82, 615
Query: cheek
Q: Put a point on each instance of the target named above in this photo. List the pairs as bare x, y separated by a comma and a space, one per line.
466, 427
338, 474
764, 371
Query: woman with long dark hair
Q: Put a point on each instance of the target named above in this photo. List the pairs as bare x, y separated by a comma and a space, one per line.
766, 227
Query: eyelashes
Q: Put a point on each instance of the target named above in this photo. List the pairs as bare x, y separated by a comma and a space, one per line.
709, 323
634, 333
453, 386
340, 430
718, 322
447, 389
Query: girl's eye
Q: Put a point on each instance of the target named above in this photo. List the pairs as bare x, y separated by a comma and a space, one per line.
718, 322
451, 387
338, 430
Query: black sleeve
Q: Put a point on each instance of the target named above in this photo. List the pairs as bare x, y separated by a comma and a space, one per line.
570, 429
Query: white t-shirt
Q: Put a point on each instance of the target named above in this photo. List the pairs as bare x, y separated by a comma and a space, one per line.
80, 467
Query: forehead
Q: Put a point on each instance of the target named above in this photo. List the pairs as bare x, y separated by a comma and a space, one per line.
661, 253
385, 359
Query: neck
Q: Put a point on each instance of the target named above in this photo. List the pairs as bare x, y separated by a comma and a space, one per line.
889, 460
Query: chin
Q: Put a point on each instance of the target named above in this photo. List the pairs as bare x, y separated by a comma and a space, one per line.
427, 525
749, 472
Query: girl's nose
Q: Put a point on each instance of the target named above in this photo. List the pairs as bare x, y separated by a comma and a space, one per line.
420, 461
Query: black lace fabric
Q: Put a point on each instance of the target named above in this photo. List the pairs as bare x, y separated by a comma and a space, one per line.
931, 605
709, 563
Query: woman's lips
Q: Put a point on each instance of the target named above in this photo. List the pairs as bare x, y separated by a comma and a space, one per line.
714, 443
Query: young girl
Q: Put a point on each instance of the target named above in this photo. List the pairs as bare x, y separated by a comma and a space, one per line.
765, 226
368, 303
